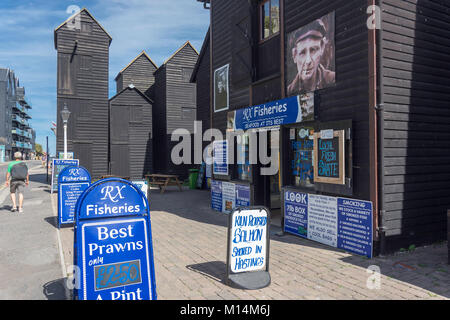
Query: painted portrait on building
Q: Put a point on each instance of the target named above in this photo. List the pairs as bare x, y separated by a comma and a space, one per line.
221, 89
310, 56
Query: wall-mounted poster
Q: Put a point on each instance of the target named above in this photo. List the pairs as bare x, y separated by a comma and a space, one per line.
310, 56
329, 157
220, 157
221, 88
338, 222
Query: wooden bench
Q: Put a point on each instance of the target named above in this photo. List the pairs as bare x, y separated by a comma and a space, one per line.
163, 180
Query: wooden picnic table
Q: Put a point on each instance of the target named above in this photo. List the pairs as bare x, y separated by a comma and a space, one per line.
163, 180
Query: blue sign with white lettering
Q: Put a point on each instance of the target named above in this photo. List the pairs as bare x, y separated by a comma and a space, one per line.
339, 222
113, 243
72, 181
57, 167
216, 195
220, 160
355, 226
242, 195
293, 109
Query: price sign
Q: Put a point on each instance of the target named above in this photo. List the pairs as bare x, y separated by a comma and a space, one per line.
118, 274
113, 243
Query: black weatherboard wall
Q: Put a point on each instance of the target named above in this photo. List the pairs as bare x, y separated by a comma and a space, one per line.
415, 60
139, 72
131, 144
201, 76
175, 106
83, 56
256, 67
349, 98
403, 169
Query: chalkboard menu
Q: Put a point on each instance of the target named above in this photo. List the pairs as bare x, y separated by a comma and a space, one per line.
329, 157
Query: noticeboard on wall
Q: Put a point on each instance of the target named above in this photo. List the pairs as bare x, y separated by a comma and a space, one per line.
329, 156
335, 221
226, 196
220, 157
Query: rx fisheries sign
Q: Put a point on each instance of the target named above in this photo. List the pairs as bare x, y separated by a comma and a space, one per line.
72, 181
113, 243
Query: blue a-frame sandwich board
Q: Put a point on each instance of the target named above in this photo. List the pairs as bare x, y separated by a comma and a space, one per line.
113, 251
72, 181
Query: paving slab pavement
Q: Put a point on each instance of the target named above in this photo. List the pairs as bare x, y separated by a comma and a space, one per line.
189, 242
30, 267
190, 257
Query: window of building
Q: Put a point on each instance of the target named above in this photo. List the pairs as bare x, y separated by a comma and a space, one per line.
243, 156
269, 18
301, 153
86, 27
188, 114
66, 74
186, 74
86, 63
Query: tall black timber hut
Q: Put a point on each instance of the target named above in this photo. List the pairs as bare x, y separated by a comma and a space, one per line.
201, 77
139, 72
131, 136
131, 124
83, 65
389, 97
174, 106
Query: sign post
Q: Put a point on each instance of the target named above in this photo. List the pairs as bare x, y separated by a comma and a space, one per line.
248, 248
113, 243
72, 181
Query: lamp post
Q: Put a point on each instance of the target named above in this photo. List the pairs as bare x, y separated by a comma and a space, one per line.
65, 114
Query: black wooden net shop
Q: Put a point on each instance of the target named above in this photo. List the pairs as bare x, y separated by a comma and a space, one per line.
131, 134
370, 83
131, 120
174, 106
82, 46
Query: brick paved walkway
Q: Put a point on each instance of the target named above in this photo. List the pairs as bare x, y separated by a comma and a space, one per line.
189, 241
190, 260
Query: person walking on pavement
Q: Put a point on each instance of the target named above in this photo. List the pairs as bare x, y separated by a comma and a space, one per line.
18, 173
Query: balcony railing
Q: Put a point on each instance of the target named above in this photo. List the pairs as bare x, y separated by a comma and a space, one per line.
17, 131
20, 120
23, 145
22, 133
19, 107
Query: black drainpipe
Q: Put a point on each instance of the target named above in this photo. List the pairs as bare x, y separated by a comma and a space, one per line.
380, 116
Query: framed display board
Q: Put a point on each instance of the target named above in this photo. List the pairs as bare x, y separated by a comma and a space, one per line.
329, 156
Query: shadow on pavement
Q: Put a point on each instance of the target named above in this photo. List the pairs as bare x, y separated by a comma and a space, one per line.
6, 208
38, 177
425, 267
215, 270
52, 221
55, 290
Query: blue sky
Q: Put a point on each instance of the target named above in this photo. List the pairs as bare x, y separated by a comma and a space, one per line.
159, 27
